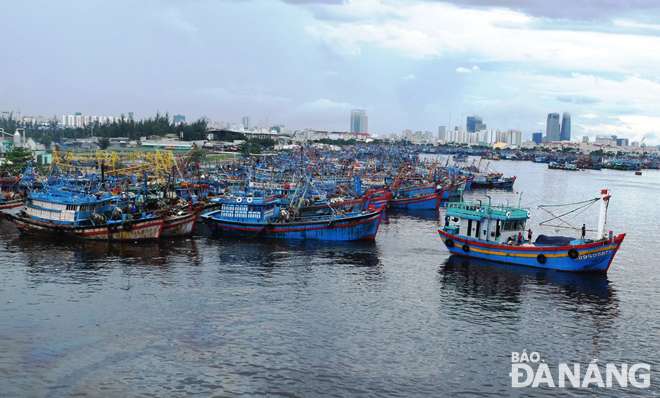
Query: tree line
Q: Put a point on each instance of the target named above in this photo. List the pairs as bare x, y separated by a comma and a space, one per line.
159, 125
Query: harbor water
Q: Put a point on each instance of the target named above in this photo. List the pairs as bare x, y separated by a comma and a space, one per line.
394, 318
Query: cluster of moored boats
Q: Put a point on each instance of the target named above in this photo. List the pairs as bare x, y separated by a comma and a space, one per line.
296, 197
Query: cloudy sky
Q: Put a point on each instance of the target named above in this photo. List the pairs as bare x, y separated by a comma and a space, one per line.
305, 64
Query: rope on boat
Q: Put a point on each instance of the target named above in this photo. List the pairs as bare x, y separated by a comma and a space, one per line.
582, 206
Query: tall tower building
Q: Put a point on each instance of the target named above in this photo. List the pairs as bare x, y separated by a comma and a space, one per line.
552, 127
472, 122
441, 133
246, 122
565, 127
359, 121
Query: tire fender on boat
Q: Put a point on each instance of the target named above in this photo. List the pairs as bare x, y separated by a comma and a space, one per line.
573, 254
8, 217
127, 227
541, 258
466, 248
449, 242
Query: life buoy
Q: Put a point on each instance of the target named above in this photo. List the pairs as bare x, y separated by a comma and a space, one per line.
508, 214
573, 254
541, 258
239, 200
466, 248
249, 200
449, 242
529, 214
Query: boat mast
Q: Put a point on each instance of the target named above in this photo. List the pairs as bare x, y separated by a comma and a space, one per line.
602, 219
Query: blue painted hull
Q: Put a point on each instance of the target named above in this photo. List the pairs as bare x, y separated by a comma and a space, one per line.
361, 227
425, 202
587, 257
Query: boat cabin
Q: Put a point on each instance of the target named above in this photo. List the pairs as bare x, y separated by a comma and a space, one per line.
488, 223
247, 209
63, 207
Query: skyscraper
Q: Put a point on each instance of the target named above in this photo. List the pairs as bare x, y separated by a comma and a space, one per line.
472, 122
441, 133
246, 122
552, 127
565, 127
537, 137
359, 121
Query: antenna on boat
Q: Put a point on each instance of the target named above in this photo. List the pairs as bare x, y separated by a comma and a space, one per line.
489, 200
602, 219
519, 199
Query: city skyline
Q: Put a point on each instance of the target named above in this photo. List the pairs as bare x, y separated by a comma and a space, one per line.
408, 67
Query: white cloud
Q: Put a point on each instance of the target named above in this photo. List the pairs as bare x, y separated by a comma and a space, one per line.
410, 77
463, 70
323, 104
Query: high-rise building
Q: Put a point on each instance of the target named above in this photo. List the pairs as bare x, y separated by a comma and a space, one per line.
565, 127
441, 133
552, 127
537, 137
178, 119
359, 121
130, 116
472, 122
246, 122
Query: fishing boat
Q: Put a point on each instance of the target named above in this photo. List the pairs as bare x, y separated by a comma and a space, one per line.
11, 203
562, 166
417, 202
266, 217
496, 233
62, 212
181, 223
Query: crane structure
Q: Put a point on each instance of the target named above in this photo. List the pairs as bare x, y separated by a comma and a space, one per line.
123, 162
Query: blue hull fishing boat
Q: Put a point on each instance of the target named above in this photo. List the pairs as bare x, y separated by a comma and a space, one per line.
265, 218
494, 233
419, 202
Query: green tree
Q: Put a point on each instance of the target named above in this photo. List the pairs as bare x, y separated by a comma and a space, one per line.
17, 160
104, 143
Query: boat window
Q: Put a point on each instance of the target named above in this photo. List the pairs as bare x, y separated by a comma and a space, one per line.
469, 228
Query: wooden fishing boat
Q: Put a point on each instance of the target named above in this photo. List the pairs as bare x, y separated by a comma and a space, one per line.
494, 233
62, 212
11, 203
181, 223
258, 217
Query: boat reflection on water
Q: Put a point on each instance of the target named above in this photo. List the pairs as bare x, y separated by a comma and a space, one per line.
489, 279
46, 254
